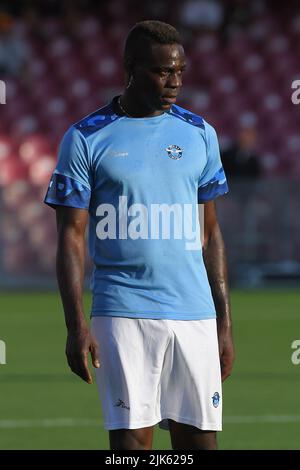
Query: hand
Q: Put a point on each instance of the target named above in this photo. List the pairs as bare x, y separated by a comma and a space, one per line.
79, 343
226, 350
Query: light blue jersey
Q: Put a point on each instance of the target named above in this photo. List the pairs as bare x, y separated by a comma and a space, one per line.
141, 179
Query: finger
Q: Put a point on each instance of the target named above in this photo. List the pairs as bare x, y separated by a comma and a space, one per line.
71, 361
225, 376
84, 369
80, 367
225, 370
95, 354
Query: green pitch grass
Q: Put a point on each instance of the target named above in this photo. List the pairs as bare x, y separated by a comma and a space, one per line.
44, 406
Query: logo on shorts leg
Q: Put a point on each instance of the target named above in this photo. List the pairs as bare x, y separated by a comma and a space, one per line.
216, 399
121, 403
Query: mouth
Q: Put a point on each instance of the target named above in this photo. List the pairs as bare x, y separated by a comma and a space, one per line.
169, 99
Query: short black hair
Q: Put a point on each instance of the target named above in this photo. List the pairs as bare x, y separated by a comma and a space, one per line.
145, 33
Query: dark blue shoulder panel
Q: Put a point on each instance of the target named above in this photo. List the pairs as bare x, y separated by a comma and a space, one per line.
97, 120
187, 116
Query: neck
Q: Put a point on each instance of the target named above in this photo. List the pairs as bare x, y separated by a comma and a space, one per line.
135, 107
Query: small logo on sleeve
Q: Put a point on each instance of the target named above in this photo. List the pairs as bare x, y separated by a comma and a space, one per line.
216, 399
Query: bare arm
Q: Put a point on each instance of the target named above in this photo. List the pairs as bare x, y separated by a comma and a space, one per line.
71, 226
216, 267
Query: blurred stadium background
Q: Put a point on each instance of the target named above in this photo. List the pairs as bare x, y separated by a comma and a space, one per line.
62, 60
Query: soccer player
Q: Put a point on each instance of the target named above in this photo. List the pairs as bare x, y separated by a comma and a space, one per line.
139, 169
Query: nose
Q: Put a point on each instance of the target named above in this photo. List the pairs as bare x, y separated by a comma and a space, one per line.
174, 80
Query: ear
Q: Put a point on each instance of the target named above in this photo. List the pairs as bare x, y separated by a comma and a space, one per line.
129, 73
127, 78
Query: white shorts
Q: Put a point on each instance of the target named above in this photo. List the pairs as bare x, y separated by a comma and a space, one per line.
155, 370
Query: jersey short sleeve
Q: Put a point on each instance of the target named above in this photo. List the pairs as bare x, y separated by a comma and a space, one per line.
70, 184
212, 182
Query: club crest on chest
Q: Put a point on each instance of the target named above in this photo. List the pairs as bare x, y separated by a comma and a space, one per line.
174, 152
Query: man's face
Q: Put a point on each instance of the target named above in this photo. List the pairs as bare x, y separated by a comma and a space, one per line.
158, 79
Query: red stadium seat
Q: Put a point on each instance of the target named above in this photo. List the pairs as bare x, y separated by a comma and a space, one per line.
33, 148
6, 146
12, 169
16, 195
40, 170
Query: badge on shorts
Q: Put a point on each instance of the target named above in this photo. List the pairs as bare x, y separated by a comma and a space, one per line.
216, 399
